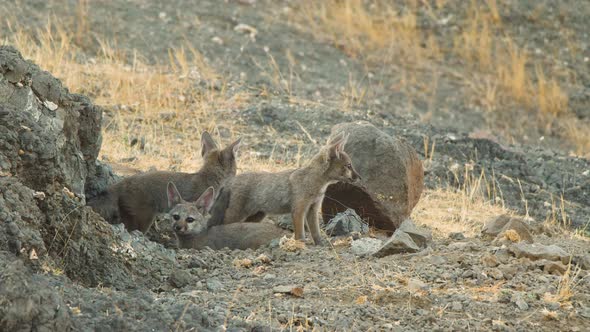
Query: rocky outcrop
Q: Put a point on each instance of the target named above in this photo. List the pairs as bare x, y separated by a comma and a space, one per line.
392, 177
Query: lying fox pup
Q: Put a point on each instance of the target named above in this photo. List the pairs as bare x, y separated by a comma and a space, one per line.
136, 200
251, 196
190, 225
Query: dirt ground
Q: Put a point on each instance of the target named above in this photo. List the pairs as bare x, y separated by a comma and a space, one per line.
266, 75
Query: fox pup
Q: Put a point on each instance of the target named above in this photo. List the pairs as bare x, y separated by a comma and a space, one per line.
251, 196
190, 225
136, 200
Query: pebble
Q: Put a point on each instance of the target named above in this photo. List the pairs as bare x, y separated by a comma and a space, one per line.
214, 285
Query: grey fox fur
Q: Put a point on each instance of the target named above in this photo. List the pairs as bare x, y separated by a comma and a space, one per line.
190, 225
136, 199
251, 196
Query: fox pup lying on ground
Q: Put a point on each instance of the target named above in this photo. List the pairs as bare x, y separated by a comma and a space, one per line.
251, 196
190, 225
136, 200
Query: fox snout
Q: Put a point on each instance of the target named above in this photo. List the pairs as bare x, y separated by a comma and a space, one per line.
180, 227
188, 225
356, 176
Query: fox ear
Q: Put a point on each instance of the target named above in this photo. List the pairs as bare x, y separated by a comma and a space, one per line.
173, 195
235, 146
207, 143
337, 145
206, 200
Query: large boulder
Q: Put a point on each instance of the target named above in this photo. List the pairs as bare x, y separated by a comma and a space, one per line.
392, 177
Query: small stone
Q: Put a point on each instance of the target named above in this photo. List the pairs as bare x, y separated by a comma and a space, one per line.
39, 195
246, 29
457, 236
180, 278
415, 285
345, 223
263, 258
519, 301
495, 273
197, 262
269, 276
504, 296
509, 271
583, 261
456, 306
461, 246
214, 285
289, 289
503, 256
489, 260
421, 237
540, 251
556, 268
50, 105
365, 246
498, 325
437, 260
400, 242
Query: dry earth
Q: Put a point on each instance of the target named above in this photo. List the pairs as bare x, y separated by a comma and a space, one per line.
165, 71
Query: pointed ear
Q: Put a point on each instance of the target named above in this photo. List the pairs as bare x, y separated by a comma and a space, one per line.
235, 146
173, 195
207, 143
206, 200
337, 145
335, 138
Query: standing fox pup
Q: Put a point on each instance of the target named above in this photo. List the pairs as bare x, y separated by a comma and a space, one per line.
190, 225
136, 200
251, 196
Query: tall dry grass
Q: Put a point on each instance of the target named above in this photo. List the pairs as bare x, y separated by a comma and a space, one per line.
163, 108
500, 73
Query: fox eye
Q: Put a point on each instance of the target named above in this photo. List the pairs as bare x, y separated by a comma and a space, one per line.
176, 217
349, 166
190, 219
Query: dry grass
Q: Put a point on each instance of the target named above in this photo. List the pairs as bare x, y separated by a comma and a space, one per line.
501, 76
464, 209
163, 107
566, 288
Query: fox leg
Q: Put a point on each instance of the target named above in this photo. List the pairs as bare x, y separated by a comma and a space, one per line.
313, 222
298, 215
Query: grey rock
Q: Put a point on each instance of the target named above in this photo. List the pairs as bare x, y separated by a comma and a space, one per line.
415, 285
420, 236
365, 246
518, 300
180, 278
392, 177
214, 285
29, 302
285, 222
457, 236
456, 306
539, 251
509, 271
345, 223
583, 261
497, 227
495, 273
400, 242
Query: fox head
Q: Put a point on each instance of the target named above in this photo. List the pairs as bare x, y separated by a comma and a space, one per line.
216, 160
339, 165
189, 217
